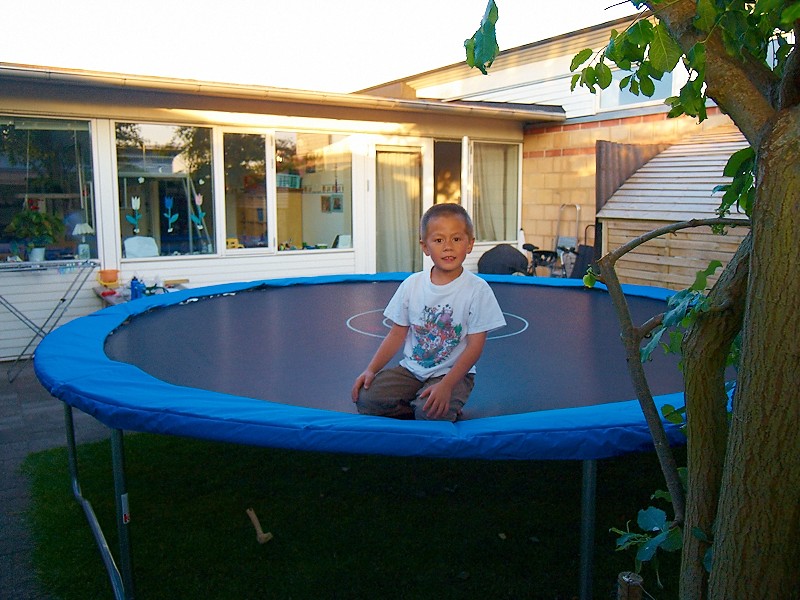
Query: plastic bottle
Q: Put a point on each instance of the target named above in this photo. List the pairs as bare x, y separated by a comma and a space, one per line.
137, 288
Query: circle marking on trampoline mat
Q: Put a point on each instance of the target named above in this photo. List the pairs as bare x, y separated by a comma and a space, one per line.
353, 325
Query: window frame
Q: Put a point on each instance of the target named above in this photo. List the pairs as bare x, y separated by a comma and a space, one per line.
270, 189
471, 189
212, 202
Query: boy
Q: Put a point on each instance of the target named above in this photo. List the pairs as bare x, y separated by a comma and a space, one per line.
441, 319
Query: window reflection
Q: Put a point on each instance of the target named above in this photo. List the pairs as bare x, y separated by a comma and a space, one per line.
314, 195
46, 175
613, 96
165, 190
245, 191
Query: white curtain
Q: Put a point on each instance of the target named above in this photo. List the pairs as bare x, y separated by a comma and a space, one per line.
398, 212
495, 192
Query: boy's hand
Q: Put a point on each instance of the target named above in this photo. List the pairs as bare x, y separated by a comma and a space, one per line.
438, 400
364, 380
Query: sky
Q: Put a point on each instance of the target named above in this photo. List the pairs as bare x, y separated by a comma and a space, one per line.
322, 45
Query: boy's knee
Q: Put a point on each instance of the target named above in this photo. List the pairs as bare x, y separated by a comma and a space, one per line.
364, 403
452, 415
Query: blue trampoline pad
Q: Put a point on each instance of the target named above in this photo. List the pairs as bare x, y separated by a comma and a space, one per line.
272, 363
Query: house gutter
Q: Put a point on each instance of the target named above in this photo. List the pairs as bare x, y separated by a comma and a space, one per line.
514, 112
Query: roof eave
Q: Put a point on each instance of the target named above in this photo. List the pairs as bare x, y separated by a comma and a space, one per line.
517, 112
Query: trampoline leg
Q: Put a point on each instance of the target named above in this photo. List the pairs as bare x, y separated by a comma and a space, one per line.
123, 512
88, 511
587, 527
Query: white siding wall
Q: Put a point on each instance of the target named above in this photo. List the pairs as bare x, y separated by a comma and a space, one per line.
35, 294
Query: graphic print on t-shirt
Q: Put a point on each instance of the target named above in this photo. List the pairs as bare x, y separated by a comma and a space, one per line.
436, 337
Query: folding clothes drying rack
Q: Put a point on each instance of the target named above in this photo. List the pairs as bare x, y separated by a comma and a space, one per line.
80, 271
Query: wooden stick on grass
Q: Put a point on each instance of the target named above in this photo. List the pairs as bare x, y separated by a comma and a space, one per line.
262, 537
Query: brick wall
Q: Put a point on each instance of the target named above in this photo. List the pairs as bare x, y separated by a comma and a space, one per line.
559, 167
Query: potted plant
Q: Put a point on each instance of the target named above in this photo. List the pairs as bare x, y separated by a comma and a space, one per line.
35, 229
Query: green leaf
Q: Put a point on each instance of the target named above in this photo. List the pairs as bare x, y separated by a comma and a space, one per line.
648, 550
697, 59
679, 304
698, 533
482, 48
575, 80
708, 559
701, 277
746, 201
790, 14
647, 86
604, 76
675, 344
469, 46
589, 78
706, 15
628, 539
673, 541
640, 33
664, 52
765, 7
740, 161
613, 49
661, 495
646, 352
580, 58
652, 519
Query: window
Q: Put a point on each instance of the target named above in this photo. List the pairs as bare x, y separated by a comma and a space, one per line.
613, 97
495, 203
46, 168
447, 171
245, 190
314, 191
166, 198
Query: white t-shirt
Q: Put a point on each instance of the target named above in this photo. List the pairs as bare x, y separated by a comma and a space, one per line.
439, 318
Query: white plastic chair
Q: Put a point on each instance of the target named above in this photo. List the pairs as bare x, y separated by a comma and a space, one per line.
140, 246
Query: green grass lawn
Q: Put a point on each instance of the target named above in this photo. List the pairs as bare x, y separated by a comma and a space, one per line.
344, 526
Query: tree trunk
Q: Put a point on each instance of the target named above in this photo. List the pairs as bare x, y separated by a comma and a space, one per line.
705, 351
757, 537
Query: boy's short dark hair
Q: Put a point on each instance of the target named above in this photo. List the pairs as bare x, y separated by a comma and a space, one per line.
445, 209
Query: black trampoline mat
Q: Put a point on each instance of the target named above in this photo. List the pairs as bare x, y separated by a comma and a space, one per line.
304, 345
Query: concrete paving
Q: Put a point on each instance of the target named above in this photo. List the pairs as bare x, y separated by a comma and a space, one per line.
30, 421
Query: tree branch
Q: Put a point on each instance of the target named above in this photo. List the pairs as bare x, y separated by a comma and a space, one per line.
745, 88
615, 255
789, 89
632, 342
632, 337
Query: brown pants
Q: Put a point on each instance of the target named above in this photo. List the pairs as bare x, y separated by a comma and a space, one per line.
396, 393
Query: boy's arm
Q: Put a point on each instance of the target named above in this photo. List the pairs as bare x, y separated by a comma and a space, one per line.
388, 348
438, 395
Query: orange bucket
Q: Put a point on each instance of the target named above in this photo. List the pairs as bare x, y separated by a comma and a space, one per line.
108, 277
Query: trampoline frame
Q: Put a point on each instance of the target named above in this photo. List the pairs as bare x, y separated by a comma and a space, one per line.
121, 576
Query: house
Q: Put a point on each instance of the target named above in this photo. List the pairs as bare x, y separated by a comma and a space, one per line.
571, 169
168, 179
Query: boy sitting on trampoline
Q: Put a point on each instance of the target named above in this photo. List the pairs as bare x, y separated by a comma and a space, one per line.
440, 319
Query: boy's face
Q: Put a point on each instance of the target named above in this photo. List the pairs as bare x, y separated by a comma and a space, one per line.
447, 242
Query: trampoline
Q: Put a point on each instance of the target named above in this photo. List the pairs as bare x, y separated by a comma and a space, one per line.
271, 363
